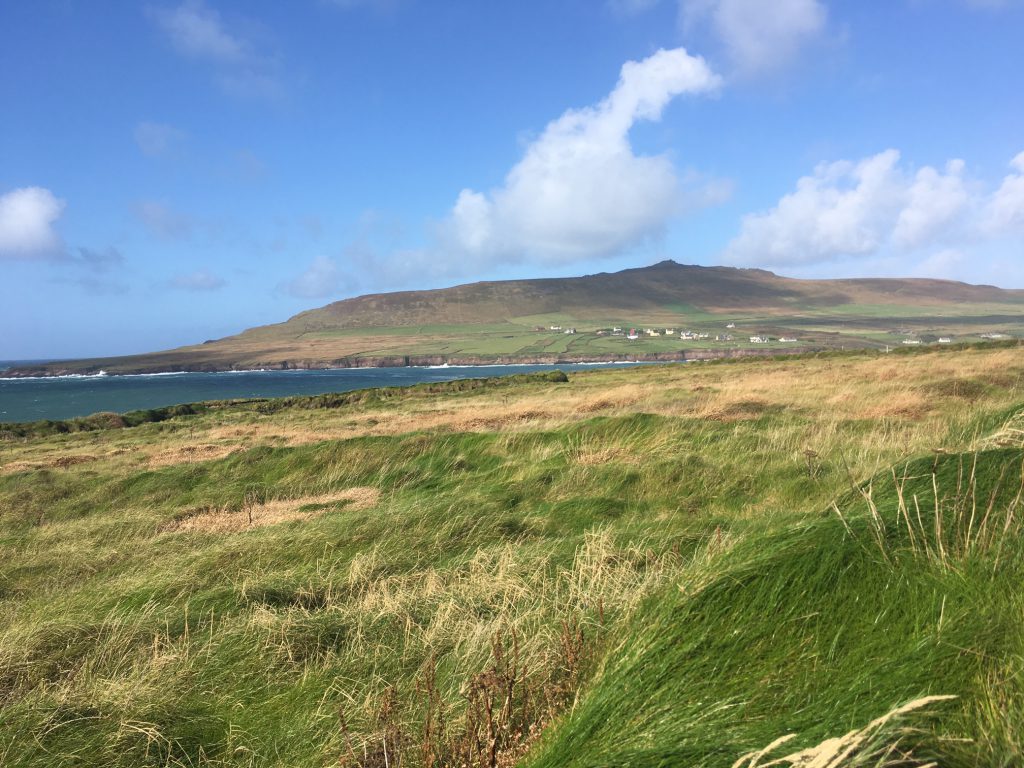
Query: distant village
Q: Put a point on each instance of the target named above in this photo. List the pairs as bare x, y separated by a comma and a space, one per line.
633, 334
732, 335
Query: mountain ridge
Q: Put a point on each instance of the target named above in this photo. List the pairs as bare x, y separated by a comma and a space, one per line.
511, 320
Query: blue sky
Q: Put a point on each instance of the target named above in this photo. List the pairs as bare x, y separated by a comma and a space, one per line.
172, 171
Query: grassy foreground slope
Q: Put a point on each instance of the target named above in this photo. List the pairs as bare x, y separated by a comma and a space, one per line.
659, 566
526, 320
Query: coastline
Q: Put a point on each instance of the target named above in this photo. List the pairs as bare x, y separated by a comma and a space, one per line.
111, 367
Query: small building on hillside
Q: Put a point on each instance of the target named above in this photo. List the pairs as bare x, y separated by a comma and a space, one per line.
759, 339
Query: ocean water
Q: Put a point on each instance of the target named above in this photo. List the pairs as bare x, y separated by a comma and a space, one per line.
65, 397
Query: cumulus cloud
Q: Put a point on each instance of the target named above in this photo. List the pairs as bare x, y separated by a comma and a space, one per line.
1006, 210
580, 190
198, 281
198, 32
879, 208
321, 280
27, 218
758, 36
162, 220
157, 139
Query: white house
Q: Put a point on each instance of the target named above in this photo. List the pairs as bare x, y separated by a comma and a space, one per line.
759, 339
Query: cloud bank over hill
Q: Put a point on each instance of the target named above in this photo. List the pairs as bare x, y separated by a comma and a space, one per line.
879, 207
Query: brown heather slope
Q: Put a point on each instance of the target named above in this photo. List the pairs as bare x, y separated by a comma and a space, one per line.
631, 291
495, 321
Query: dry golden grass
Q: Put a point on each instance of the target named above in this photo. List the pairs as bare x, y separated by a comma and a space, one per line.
877, 744
209, 520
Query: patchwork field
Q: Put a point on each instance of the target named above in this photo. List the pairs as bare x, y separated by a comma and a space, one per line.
813, 560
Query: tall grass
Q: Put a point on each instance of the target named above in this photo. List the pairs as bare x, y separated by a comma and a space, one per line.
591, 573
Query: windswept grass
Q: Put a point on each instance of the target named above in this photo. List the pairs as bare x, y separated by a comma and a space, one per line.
652, 567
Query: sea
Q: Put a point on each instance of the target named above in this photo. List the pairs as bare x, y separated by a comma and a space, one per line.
64, 397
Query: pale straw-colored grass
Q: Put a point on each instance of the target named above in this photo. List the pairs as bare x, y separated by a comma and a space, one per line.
878, 744
259, 515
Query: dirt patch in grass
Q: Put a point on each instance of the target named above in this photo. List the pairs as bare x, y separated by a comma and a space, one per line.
221, 520
60, 462
191, 453
742, 409
965, 389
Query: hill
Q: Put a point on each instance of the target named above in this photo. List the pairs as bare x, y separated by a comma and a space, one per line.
525, 320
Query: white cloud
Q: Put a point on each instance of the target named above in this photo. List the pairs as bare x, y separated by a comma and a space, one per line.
878, 209
198, 32
758, 35
200, 280
321, 280
162, 220
27, 218
1006, 210
156, 139
580, 191
933, 201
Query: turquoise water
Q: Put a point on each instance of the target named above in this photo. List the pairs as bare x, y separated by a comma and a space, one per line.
68, 396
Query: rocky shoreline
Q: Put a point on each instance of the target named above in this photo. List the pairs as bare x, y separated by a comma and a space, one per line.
114, 367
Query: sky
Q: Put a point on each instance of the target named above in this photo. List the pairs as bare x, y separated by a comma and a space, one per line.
178, 170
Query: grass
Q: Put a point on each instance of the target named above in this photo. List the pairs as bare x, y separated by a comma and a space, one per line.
675, 565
